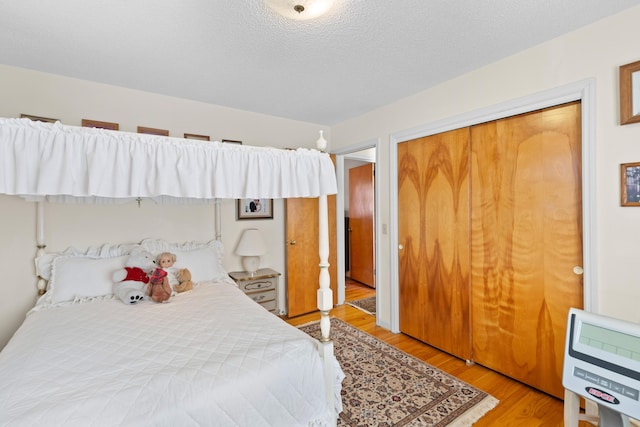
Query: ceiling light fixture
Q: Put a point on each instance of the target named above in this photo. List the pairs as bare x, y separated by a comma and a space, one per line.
300, 9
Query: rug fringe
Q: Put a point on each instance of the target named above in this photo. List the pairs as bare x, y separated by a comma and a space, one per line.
475, 413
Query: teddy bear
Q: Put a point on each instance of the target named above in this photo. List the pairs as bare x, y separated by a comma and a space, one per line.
184, 281
158, 287
130, 283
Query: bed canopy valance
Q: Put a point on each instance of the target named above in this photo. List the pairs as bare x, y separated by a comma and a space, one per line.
69, 163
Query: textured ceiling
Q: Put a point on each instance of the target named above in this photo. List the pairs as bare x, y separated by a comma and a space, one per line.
238, 53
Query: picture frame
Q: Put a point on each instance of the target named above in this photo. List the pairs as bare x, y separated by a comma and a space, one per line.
232, 141
38, 118
254, 209
153, 131
196, 136
630, 93
100, 125
630, 184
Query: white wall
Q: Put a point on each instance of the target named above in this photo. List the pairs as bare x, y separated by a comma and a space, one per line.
595, 52
71, 100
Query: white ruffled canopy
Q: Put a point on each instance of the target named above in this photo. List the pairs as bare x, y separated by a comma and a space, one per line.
40, 159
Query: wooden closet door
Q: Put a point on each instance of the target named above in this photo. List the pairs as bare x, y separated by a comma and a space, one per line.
526, 239
433, 234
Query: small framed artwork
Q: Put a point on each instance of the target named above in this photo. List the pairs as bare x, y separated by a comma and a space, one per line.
101, 125
232, 141
153, 131
195, 136
630, 184
630, 93
254, 209
38, 118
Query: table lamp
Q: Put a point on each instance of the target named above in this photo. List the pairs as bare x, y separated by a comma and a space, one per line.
250, 248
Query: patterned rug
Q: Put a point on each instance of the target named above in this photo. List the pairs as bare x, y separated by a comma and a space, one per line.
385, 386
368, 305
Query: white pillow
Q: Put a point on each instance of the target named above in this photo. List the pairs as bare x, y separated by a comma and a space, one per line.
81, 272
44, 262
78, 276
204, 260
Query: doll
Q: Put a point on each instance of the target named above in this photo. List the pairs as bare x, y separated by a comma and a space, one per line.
166, 261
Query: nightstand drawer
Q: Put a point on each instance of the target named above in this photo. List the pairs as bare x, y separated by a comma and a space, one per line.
270, 305
263, 296
258, 285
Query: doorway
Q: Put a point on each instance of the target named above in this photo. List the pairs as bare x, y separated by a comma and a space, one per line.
354, 287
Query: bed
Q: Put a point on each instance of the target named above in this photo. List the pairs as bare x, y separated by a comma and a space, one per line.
211, 356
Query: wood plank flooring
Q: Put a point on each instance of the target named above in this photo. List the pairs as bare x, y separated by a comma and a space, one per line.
520, 405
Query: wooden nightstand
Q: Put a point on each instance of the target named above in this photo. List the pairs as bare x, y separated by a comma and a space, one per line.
262, 287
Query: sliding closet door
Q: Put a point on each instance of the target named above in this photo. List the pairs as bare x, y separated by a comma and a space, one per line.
526, 242
433, 234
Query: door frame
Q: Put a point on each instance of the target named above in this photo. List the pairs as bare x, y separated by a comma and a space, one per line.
341, 154
583, 91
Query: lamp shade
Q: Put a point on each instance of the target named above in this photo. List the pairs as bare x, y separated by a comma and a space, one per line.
251, 243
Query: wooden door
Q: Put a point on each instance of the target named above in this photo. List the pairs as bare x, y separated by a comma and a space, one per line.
303, 271
433, 234
526, 239
361, 224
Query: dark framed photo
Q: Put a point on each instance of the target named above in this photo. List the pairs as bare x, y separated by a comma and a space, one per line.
196, 136
232, 141
630, 93
630, 184
254, 209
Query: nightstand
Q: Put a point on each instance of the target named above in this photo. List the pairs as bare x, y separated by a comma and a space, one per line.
262, 287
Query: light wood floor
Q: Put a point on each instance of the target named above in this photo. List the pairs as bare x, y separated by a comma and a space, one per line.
520, 405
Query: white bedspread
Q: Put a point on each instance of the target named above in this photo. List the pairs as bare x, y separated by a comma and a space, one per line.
210, 357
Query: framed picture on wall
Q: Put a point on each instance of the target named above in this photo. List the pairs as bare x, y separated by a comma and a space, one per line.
630, 93
153, 131
100, 125
254, 209
630, 184
196, 136
38, 118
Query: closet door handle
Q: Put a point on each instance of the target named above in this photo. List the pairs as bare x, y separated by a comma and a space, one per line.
400, 246
291, 242
578, 270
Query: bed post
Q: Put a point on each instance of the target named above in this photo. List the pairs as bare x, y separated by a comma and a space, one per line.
218, 219
42, 284
325, 300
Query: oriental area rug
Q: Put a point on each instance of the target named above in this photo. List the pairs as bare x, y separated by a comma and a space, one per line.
384, 386
368, 305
